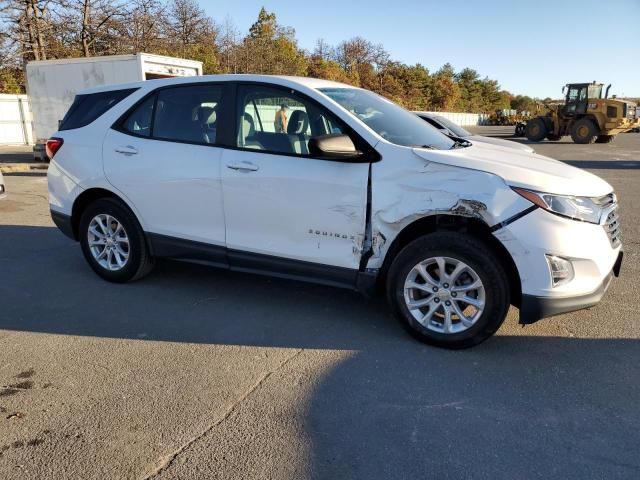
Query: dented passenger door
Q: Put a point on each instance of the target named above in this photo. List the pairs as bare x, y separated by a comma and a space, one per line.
282, 205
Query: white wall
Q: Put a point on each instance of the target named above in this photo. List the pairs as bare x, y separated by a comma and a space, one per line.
15, 120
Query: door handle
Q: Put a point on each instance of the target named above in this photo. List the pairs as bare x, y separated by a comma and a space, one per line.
127, 150
243, 166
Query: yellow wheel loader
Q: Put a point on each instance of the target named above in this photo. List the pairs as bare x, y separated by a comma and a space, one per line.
586, 115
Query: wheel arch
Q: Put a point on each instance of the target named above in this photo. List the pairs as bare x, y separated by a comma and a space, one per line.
592, 118
455, 223
85, 199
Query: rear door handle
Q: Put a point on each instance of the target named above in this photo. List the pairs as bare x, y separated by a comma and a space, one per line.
243, 166
127, 150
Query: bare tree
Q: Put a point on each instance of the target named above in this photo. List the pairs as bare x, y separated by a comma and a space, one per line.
189, 24
95, 24
27, 22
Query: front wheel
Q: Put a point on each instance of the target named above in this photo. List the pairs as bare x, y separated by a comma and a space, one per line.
536, 129
113, 243
584, 131
449, 290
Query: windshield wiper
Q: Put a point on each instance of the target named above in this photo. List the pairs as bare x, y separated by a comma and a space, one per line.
459, 142
430, 147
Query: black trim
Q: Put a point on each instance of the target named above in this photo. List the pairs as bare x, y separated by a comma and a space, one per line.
367, 244
179, 248
512, 219
618, 265
63, 222
219, 256
534, 308
292, 269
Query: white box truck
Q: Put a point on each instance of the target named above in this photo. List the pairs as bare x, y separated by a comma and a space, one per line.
53, 84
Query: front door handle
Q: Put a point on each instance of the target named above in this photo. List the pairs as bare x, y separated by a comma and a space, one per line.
243, 166
127, 150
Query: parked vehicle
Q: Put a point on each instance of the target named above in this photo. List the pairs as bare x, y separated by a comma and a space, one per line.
450, 128
3, 189
53, 84
356, 192
586, 115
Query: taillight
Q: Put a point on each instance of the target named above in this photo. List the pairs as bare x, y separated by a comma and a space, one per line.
53, 145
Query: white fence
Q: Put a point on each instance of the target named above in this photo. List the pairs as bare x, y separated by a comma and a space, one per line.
16, 124
267, 115
464, 119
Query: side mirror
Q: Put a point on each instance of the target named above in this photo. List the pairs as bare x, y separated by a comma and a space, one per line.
334, 146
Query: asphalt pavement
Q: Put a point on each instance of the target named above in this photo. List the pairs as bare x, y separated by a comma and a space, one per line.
198, 373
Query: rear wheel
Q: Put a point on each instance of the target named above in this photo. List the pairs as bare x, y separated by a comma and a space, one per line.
605, 138
584, 131
113, 242
449, 289
536, 129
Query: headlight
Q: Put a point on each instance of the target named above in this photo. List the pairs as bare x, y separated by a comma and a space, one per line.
585, 209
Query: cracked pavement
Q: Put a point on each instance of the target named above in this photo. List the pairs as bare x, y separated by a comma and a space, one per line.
197, 373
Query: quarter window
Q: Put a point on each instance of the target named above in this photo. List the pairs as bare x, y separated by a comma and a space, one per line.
86, 108
280, 121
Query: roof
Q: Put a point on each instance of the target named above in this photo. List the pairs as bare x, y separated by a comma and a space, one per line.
117, 58
283, 80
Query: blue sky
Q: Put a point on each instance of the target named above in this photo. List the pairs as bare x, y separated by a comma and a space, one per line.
530, 47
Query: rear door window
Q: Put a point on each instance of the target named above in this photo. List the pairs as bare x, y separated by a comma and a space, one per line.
87, 108
188, 114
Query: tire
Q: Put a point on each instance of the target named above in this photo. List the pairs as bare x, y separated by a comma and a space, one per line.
584, 131
553, 138
520, 129
484, 266
536, 129
138, 262
605, 138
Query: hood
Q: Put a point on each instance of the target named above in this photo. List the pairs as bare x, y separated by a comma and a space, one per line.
522, 169
500, 142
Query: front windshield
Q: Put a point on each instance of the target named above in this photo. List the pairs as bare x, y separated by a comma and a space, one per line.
453, 127
390, 121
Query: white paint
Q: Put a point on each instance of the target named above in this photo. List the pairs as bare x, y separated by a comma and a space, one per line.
15, 120
314, 210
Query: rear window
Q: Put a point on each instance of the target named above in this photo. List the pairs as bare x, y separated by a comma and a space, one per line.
86, 108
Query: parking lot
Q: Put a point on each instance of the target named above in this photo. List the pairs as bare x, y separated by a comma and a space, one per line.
201, 373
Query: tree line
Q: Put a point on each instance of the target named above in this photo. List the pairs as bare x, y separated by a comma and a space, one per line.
50, 29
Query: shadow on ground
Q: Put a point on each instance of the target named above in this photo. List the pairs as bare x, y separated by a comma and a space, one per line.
514, 407
605, 164
48, 287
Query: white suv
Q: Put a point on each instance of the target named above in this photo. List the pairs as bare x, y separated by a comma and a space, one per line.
320, 181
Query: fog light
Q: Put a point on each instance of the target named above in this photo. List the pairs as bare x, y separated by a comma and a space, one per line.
561, 270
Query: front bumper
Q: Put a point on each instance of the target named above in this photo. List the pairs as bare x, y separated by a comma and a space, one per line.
534, 308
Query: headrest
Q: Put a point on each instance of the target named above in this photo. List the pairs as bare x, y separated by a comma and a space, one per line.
298, 123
